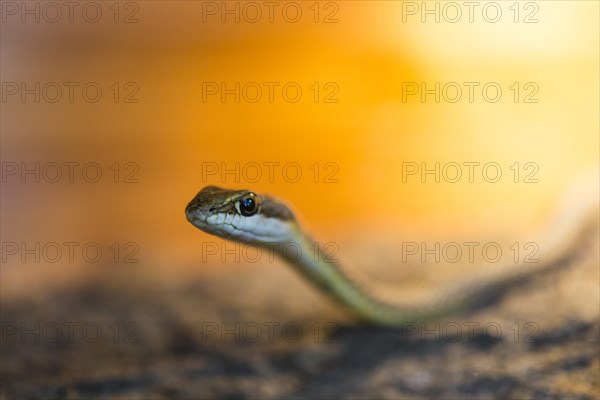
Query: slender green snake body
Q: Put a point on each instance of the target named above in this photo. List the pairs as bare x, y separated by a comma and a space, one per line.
245, 217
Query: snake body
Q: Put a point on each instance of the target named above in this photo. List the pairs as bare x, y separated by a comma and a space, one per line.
245, 217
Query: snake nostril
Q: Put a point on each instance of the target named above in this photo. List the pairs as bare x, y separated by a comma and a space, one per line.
211, 209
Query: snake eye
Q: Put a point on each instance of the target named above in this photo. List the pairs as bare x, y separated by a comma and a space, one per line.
248, 205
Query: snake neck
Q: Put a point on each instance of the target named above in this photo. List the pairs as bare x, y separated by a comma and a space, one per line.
318, 267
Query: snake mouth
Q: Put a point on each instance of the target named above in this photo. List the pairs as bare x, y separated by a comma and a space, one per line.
196, 218
199, 219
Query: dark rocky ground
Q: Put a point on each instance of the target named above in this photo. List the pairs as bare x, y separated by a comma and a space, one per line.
539, 341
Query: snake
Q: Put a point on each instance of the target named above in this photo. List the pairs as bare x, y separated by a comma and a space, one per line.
264, 221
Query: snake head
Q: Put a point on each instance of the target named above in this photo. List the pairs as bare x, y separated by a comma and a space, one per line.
241, 215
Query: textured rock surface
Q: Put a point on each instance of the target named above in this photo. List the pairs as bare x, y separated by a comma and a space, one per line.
539, 341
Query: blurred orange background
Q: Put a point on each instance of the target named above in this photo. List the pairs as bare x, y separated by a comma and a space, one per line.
366, 51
